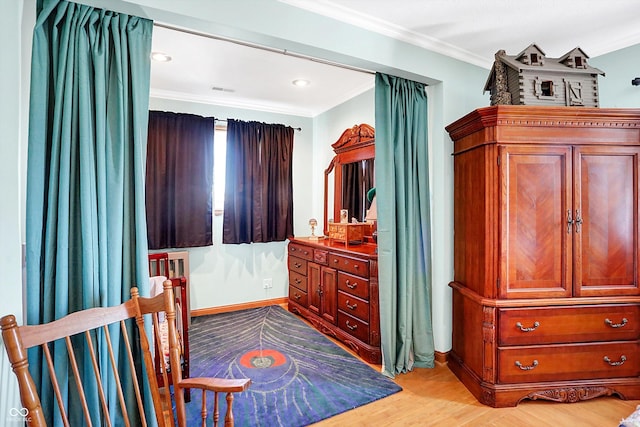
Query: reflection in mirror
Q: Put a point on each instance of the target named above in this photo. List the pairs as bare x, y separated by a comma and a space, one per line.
357, 180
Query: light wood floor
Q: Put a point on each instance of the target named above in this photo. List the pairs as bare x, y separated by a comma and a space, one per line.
435, 397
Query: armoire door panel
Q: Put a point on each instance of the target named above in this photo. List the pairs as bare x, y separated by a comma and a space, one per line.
536, 199
606, 239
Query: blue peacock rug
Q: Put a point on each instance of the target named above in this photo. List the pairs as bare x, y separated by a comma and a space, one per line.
298, 376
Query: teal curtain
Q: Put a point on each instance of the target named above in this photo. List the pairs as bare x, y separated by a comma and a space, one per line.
86, 226
404, 224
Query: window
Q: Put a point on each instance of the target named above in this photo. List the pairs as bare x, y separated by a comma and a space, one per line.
219, 162
547, 88
579, 62
534, 58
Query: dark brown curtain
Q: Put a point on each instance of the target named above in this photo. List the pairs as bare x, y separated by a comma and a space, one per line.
179, 180
352, 189
258, 198
357, 180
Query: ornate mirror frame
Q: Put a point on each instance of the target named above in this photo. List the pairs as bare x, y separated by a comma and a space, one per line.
355, 144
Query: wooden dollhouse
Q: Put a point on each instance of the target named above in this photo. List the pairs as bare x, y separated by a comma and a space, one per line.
531, 78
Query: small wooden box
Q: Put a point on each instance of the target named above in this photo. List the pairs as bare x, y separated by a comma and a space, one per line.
349, 233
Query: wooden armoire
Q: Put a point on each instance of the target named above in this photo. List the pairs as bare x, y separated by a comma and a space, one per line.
546, 300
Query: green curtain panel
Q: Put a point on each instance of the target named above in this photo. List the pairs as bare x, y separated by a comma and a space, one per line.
404, 224
86, 226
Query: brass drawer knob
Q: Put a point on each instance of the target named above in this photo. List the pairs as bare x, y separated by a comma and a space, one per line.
529, 329
620, 362
616, 325
527, 367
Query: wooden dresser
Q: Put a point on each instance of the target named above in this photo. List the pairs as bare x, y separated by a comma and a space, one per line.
336, 289
546, 303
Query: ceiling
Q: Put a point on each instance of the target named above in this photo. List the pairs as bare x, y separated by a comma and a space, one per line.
469, 30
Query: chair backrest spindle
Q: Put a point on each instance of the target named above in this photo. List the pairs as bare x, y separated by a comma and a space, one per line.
92, 331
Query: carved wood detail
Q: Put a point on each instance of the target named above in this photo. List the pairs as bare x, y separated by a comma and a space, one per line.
571, 394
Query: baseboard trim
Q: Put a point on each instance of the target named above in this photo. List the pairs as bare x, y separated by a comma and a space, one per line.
441, 357
235, 307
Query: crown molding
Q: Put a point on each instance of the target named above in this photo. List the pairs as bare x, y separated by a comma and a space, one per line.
338, 12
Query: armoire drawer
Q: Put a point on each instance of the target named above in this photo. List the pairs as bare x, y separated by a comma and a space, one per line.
354, 306
353, 326
298, 296
298, 280
301, 251
568, 362
353, 285
350, 265
550, 325
298, 265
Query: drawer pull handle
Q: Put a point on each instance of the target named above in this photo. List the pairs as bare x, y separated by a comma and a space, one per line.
351, 307
297, 265
298, 281
531, 329
306, 252
296, 296
350, 326
349, 285
527, 368
616, 325
335, 261
620, 362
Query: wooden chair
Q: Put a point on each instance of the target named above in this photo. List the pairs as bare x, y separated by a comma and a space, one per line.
95, 322
159, 264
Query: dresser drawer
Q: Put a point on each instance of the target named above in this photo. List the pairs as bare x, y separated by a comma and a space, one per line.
298, 265
353, 326
298, 296
550, 325
301, 251
320, 256
350, 265
568, 362
353, 285
298, 280
354, 306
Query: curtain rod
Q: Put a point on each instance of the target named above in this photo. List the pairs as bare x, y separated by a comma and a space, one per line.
224, 121
267, 48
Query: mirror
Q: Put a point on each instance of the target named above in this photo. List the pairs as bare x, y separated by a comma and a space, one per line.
353, 167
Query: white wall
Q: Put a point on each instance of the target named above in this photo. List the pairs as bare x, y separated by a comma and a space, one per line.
620, 68
14, 80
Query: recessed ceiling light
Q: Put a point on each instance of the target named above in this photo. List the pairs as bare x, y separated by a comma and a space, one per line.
301, 82
160, 57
